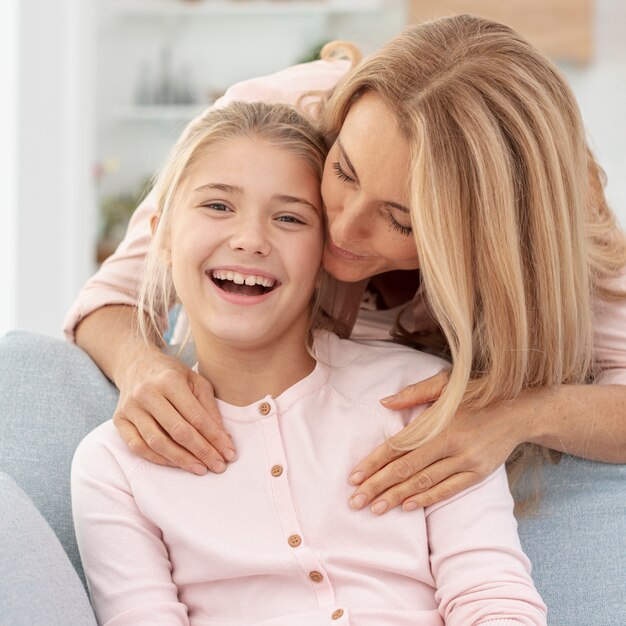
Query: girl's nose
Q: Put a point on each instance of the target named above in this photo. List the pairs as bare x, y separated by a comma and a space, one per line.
250, 236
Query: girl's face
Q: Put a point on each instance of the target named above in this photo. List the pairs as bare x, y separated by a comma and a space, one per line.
246, 243
365, 192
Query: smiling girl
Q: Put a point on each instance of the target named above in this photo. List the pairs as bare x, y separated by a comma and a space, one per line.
238, 240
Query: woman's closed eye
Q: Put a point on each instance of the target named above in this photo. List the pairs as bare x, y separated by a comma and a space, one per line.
401, 228
339, 171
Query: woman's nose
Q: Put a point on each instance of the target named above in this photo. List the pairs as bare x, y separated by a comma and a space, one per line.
350, 222
250, 236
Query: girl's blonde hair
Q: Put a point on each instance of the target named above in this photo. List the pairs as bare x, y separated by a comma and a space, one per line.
511, 226
277, 124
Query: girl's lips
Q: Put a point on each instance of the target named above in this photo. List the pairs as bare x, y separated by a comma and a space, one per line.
341, 253
236, 298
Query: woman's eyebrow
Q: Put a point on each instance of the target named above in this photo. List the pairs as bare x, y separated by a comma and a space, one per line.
220, 187
395, 205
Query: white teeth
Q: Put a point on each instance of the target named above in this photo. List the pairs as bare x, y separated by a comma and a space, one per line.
241, 279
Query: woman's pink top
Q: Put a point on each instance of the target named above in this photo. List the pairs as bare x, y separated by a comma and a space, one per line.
273, 540
118, 279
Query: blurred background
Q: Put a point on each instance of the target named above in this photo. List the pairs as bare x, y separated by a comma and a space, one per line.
93, 93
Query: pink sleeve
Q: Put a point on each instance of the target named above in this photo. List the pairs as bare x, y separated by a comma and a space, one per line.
118, 279
126, 562
482, 575
610, 336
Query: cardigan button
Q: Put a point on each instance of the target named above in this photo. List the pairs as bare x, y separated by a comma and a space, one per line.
337, 614
294, 541
316, 577
264, 408
277, 470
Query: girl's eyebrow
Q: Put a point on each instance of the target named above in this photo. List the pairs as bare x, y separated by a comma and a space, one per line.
354, 174
220, 187
295, 200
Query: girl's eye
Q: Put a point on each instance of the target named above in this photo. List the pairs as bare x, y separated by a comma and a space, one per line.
341, 174
289, 219
216, 206
401, 228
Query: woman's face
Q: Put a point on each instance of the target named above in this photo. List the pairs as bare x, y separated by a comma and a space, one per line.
246, 244
365, 191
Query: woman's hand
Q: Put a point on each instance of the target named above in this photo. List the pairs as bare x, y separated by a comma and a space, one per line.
462, 455
168, 415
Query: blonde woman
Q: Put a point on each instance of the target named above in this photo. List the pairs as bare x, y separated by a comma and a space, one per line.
465, 213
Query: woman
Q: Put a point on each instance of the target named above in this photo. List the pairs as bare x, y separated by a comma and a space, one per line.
457, 149
238, 241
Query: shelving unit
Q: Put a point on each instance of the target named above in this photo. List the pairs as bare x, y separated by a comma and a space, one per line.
160, 113
235, 8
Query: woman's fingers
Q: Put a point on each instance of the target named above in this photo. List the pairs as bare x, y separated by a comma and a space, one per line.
175, 438
159, 442
403, 467
195, 425
212, 429
426, 390
380, 457
438, 481
443, 490
133, 439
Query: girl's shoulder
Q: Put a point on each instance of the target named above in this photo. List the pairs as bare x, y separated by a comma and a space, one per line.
373, 368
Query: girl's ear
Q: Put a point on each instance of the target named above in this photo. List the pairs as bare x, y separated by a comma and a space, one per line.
154, 222
164, 252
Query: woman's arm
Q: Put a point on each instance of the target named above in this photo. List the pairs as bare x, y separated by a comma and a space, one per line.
581, 420
482, 575
158, 394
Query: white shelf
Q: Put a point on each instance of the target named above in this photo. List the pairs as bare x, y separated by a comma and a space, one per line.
160, 113
221, 8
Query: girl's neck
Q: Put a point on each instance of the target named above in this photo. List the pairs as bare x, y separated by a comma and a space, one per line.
241, 376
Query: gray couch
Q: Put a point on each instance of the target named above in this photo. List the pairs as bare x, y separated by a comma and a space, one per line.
52, 395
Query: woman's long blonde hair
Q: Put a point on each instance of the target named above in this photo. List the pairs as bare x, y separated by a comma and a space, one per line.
278, 124
511, 226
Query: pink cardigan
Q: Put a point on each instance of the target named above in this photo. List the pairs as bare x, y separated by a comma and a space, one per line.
273, 541
117, 280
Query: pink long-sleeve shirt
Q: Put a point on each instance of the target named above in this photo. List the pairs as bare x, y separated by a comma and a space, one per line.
273, 540
118, 279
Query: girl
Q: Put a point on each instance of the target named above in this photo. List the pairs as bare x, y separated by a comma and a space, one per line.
239, 240
457, 149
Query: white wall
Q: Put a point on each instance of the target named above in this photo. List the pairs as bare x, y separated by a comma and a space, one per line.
49, 159
600, 89
8, 150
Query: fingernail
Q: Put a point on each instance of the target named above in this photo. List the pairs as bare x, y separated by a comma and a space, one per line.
229, 454
357, 478
218, 466
356, 502
389, 399
198, 469
380, 507
409, 506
